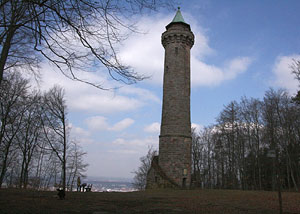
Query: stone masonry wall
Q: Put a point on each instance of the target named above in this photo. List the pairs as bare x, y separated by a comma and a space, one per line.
172, 168
175, 159
177, 41
175, 135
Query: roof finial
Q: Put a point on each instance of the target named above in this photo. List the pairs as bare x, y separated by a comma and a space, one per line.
178, 17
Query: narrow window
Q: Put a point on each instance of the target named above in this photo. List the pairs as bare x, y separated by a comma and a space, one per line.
176, 50
184, 172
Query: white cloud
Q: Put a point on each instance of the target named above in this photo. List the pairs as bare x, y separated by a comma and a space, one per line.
97, 123
124, 151
83, 97
77, 131
153, 128
210, 75
205, 75
138, 142
119, 141
197, 127
141, 93
283, 73
81, 135
85, 140
145, 53
103, 102
236, 66
100, 123
123, 124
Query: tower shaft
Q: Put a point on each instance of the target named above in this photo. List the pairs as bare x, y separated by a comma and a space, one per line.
172, 168
175, 136
177, 41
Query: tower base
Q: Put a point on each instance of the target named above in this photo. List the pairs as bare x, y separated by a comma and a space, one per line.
157, 178
171, 174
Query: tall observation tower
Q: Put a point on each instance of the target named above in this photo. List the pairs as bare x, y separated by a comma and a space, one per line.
172, 168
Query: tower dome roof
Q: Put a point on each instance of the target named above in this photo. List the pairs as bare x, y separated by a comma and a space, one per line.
178, 18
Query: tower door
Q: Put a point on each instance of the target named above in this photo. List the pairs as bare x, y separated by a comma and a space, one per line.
184, 183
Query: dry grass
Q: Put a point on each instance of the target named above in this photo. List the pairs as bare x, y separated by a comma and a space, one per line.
162, 201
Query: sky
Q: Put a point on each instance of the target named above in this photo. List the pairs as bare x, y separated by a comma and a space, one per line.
242, 48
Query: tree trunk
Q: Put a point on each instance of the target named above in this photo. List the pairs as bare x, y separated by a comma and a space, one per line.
293, 178
288, 174
65, 151
26, 171
21, 180
4, 165
5, 49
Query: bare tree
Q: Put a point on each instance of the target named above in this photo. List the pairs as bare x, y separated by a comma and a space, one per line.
286, 141
234, 152
229, 124
29, 136
75, 164
271, 120
13, 107
55, 126
34, 143
196, 158
296, 69
73, 35
140, 175
251, 117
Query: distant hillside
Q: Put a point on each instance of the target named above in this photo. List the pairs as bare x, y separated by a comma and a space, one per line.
110, 179
108, 184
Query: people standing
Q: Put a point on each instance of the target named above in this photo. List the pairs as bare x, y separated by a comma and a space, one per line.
78, 184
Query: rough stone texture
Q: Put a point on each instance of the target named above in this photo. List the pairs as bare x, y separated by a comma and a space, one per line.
172, 168
177, 41
175, 159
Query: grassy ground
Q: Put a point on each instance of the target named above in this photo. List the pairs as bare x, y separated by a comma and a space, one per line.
162, 201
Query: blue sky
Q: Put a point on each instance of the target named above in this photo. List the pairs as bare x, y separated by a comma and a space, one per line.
242, 48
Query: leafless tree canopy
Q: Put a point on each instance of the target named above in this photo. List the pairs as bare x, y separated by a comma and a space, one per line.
73, 35
140, 175
234, 152
36, 149
296, 69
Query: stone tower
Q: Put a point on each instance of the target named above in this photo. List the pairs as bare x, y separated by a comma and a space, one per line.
172, 168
